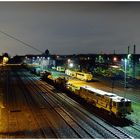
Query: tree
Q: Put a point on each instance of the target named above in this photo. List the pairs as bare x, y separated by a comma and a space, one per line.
6, 55
47, 53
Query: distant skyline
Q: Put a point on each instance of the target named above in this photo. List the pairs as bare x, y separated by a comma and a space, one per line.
70, 27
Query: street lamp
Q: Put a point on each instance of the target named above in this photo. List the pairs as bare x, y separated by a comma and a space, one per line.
69, 60
129, 56
71, 65
126, 66
125, 72
114, 59
5, 59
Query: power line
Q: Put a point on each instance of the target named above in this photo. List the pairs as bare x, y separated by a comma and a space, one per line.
26, 44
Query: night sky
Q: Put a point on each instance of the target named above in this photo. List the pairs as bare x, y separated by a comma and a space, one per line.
70, 27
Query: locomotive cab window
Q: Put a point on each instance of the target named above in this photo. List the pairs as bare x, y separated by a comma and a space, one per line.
127, 103
120, 104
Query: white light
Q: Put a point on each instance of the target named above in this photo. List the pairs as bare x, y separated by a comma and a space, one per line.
69, 60
125, 60
128, 56
71, 65
125, 68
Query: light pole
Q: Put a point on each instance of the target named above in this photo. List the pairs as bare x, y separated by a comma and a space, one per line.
115, 59
125, 72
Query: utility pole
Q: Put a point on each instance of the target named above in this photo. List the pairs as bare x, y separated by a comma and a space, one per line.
128, 49
114, 52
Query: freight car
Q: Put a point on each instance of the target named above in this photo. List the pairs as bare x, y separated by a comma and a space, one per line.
110, 102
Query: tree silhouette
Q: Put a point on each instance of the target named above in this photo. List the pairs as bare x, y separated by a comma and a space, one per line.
6, 55
47, 53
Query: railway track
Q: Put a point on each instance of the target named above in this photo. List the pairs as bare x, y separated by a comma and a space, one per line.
135, 127
12, 121
37, 115
13, 126
110, 131
2, 129
109, 128
69, 120
46, 112
134, 130
66, 129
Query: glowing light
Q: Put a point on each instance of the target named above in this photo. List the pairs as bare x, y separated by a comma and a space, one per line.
5, 60
115, 59
71, 65
128, 56
69, 60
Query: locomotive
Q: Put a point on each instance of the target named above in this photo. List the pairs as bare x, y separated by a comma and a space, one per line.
110, 102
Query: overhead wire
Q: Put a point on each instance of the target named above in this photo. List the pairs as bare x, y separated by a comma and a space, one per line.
26, 44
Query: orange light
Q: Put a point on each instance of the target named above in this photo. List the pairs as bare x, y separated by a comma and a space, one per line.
115, 59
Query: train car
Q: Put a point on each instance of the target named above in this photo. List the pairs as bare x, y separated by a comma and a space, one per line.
61, 69
110, 102
73, 88
84, 76
70, 73
114, 104
79, 75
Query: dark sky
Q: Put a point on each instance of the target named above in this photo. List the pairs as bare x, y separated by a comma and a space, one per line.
70, 27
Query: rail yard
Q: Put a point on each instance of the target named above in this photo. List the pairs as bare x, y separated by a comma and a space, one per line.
32, 108
69, 70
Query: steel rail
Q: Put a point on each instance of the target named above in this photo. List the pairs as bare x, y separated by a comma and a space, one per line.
120, 133
64, 114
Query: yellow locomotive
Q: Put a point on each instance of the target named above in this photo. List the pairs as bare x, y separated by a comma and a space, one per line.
114, 104
79, 75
